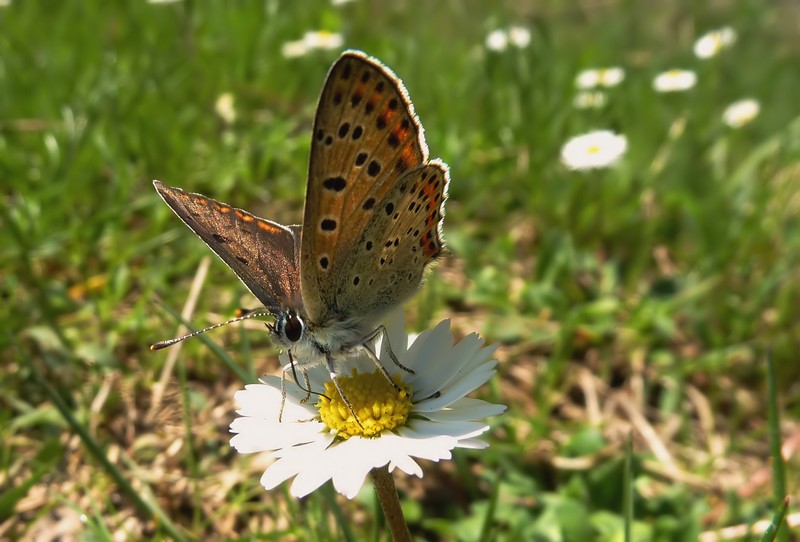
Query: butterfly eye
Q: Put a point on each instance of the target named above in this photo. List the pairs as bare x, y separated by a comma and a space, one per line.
293, 328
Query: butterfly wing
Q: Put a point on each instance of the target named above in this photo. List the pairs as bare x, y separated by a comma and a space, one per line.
403, 237
366, 137
263, 254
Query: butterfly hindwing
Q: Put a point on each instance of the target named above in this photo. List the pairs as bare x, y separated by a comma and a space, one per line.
366, 137
264, 255
404, 236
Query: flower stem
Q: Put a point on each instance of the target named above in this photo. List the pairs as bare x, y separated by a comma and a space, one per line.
387, 494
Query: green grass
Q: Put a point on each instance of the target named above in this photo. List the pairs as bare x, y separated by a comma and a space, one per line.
654, 291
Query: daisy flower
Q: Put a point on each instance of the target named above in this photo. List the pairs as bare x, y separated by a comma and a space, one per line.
499, 40
674, 80
741, 112
429, 417
598, 149
589, 99
713, 42
311, 41
603, 77
224, 108
519, 36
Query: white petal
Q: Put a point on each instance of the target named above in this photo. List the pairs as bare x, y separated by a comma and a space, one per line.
349, 484
449, 395
300, 459
405, 464
473, 444
311, 476
444, 369
465, 409
264, 401
466, 357
409, 443
279, 471
255, 435
354, 459
424, 429
433, 449
429, 346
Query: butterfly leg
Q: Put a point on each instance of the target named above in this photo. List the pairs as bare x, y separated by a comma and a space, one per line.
335, 379
307, 383
283, 395
381, 330
365, 345
306, 386
380, 366
307, 389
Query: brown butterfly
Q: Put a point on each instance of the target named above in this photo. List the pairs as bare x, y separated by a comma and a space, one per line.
372, 223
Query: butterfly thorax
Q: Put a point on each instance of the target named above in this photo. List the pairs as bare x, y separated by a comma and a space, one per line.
317, 344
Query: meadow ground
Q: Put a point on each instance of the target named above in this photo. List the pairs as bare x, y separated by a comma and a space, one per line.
654, 299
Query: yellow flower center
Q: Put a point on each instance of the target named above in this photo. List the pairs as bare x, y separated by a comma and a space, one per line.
594, 149
376, 402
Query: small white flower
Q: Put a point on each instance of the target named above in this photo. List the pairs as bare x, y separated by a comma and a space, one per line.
599, 149
674, 80
311, 41
713, 42
293, 49
604, 77
323, 40
587, 79
224, 108
740, 113
340, 2
589, 99
519, 36
5, 3
499, 40
436, 418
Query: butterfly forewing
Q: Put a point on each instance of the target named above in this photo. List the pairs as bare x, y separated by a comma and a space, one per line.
263, 254
366, 137
403, 237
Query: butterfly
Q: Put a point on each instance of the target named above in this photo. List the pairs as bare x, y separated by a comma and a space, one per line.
372, 222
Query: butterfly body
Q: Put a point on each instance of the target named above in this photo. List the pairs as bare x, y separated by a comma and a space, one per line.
371, 226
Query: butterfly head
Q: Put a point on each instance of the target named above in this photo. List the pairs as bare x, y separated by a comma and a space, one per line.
288, 327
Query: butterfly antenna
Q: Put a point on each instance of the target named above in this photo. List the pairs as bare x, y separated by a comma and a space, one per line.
243, 314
